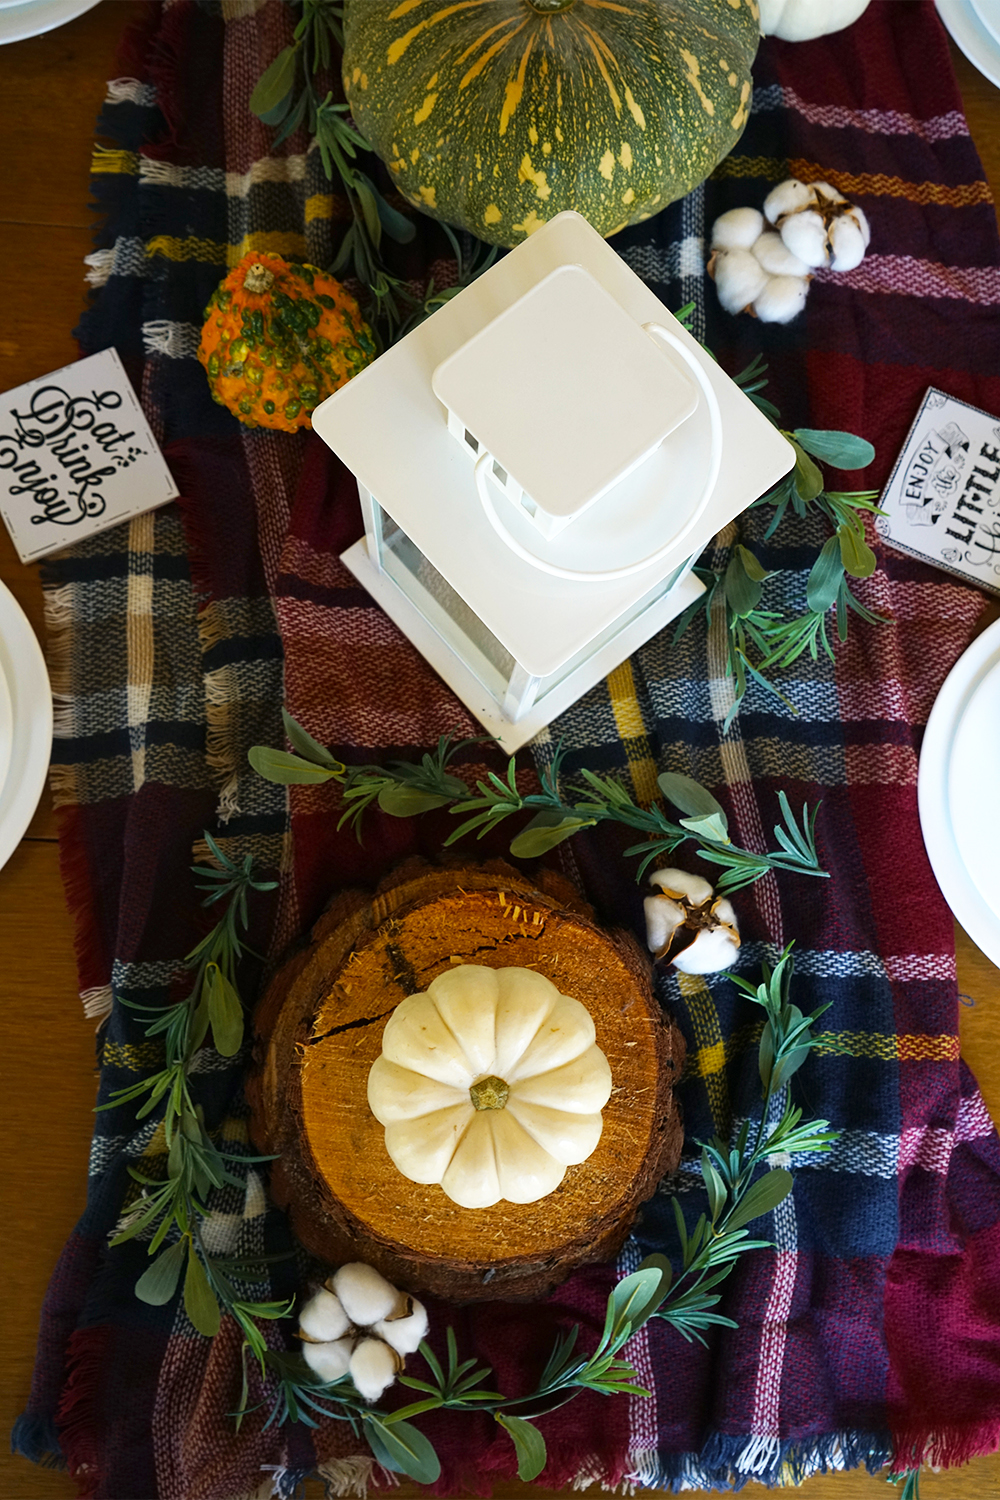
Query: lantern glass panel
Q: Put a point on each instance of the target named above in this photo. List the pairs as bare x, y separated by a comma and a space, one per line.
458, 625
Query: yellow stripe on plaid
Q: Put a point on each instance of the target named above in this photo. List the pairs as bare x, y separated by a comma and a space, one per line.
137, 1057
628, 720
291, 245
875, 184
105, 159
911, 1047
710, 1046
713, 1057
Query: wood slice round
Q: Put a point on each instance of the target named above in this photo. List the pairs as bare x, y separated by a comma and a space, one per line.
320, 1030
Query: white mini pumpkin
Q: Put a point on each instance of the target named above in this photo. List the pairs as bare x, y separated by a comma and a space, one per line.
490, 1084
800, 20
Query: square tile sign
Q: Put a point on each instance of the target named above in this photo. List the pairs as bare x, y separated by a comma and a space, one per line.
76, 456
942, 501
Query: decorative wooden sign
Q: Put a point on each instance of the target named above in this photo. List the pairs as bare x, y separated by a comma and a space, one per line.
320, 1029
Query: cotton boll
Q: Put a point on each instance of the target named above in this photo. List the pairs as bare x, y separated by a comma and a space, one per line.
739, 278
826, 196
863, 225
374, 1367
789, 197
776, 258
782, 299
323, 1318
712, 950
680, 883
404, 1334
329, 1361
737, 229
366, 1296
805, 236
663, 917
847, 243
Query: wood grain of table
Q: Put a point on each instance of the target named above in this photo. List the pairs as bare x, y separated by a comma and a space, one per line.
52, 90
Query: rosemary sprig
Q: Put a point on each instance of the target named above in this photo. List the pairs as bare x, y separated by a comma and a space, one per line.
404, 788
171, 1209
736, 1197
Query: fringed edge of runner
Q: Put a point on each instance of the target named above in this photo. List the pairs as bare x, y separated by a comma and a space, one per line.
76, 1416
35, 1438
946, 1447
722, 1464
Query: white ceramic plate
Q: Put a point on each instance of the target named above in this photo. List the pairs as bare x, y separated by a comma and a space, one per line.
31, 17
6, 727
959, 812
988, 12
23, 667
970, 34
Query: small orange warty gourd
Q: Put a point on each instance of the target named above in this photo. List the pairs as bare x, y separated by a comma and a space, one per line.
278, 339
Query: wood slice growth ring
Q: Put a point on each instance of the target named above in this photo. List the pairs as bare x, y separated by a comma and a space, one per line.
320, 1029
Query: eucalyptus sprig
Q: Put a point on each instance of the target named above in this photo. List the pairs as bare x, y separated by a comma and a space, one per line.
171, 1209
403, 788
761, 640
736, 1195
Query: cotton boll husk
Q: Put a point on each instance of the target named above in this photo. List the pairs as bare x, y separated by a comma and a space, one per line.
824, 194
782, 299
323, 1318
404, 1334
739, 278
737, 229
712, 950
329, 1361
847, 243
776, 258
789, 197
374, 1367
366, 1296
663, 917
805, 236
682, 883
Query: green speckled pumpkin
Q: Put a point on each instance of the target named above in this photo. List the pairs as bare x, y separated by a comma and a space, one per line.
495, 115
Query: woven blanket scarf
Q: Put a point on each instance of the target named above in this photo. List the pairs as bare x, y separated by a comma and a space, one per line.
871, 1331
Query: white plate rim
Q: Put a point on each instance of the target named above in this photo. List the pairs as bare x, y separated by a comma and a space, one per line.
979, 920
982, 9
970, 35
6, 727
31, 18
23, 666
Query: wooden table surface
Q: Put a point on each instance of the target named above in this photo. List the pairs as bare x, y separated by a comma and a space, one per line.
52, 90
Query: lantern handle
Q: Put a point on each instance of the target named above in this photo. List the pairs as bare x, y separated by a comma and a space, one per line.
608, 575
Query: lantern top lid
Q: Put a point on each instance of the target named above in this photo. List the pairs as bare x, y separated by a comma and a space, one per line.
566, 391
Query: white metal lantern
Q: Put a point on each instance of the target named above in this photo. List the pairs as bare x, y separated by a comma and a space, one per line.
539, 463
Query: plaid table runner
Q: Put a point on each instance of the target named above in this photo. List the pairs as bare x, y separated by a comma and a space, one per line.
872, 1330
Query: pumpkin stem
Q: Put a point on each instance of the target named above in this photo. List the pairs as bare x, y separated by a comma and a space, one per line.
489, 1093
258, 278
549, 7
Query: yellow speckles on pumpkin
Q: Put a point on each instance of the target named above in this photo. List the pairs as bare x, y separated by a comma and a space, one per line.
423, 113
693, 71
397, 164
514, 89
483, 59
559, 135
731, 80
415, 155
492, 214
625, 156
428, 195
634, 109
479, 161
533, 135
526, 173
628, 195
530, 224
546, 148
740, 117
606, 165
355, 75
432, 82
399, 46
736, 4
